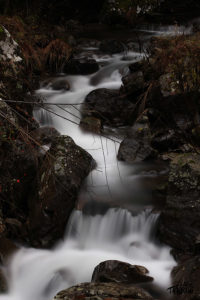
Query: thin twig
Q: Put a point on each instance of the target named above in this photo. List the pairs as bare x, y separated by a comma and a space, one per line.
37, 103
106, 175
70, 113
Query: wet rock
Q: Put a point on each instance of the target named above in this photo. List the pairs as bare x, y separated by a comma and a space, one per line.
8, 112
137, 145
133, 83
103, 291
3, 282
166, 140
182, 210
91, 124
18, 164
196, 135
62, 172
120, 272
57, 84
184, 174
187, 277
44, 135
169, 117
7, 249
112, 46
166, 85
109, 106
136, 67
82, 66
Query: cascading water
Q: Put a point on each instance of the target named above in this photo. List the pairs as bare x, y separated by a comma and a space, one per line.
39, 274
92, 238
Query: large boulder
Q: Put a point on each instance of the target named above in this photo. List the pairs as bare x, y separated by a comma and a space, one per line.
179, 222
38, 187
64, 168
117, 271
103, 291
109, 106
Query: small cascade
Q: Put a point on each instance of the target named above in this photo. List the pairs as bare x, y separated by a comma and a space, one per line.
40, 274
117, 234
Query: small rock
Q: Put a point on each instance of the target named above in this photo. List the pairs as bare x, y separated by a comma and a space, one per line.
120, 272
84, 66
44, 135
91, 124
136, 67
137, 145
3, 282
112, 46
7, 249
57, 84
133, 83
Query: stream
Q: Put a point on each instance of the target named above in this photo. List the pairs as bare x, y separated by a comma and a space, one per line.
115, 216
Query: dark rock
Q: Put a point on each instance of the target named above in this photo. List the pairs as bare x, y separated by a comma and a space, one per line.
166, 140
112, 46
137, 145
133, 83
109, 106
41, 185
120, 272
187, 275
57, 84
171, 120
82, 66
63, 170
196, 135
103, 291
182, 210
136, 67
7, 249
44, 135
91, 124
18, 164
3, 282
184, 176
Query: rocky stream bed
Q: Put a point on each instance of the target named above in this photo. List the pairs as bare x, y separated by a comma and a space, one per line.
147, 105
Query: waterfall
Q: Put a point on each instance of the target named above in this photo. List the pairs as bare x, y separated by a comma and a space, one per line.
89, 240
35, 274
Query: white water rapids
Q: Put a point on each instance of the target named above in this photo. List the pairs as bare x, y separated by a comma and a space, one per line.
90, 239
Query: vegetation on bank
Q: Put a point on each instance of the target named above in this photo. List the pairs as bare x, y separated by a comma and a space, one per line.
179, 57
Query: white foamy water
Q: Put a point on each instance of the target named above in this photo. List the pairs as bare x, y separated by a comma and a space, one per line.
117, 234
40, 274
